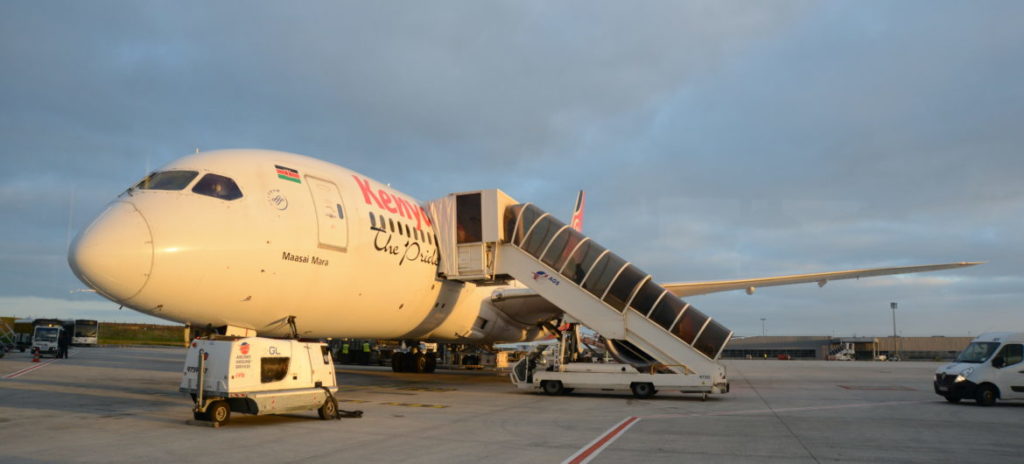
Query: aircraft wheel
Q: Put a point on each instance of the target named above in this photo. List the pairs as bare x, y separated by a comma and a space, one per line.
419, 363
397, 361
953, 398
642, 389
986, 395
329, 409
219, 412
431, 363
552, 387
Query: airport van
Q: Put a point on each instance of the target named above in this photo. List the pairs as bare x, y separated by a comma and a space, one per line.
47, 340
255, 375
990, 368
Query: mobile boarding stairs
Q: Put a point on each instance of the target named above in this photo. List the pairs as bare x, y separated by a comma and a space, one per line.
660, 340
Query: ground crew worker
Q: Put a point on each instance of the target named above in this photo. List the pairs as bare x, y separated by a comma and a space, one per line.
366, 353
62, 344
344, 352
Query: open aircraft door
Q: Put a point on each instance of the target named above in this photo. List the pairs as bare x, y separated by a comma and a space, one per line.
332, 224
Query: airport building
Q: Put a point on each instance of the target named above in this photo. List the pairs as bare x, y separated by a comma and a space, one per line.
859, 348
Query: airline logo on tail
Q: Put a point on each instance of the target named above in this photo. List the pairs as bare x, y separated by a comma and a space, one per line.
577, 212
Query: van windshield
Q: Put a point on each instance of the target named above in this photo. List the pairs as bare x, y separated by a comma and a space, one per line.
977, 352
46, 334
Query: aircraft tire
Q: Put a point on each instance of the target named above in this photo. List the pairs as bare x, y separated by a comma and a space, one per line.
398, 362
431, 363
419, 363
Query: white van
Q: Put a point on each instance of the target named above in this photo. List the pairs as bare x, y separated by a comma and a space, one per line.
254, 375
990, 368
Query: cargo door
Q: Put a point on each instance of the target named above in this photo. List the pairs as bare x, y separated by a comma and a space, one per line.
332, 224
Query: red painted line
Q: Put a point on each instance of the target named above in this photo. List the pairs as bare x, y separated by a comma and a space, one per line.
766, 410
591, 450
28, 369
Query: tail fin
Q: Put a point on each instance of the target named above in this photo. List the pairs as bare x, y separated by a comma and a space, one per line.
577, 212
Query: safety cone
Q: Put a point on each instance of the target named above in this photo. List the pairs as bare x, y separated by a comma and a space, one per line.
35, 355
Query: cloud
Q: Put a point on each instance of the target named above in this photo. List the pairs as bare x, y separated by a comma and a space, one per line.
717, 140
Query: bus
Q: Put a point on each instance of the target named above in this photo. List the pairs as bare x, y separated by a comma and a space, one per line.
86, 332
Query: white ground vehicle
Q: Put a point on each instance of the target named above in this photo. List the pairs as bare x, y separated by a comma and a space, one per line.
47, 339
990, 368
564, 376
255, 375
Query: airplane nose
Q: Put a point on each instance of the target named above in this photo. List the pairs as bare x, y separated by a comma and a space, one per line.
114, 255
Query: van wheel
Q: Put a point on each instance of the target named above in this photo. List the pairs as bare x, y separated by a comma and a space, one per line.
953, 398
329, 409
642, 390
986, 395
552, 387
219, 412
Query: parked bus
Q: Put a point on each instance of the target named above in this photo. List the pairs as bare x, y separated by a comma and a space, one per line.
86, 332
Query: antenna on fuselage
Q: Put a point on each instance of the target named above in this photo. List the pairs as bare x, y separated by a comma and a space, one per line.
291, 325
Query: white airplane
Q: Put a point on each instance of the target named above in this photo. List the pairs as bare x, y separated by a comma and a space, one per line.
244, 240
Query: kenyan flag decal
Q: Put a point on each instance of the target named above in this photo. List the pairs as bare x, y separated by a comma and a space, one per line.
288, 174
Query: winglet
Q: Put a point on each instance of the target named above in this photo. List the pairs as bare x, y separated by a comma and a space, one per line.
577, 211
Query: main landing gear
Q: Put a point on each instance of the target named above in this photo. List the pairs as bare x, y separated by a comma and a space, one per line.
414, 361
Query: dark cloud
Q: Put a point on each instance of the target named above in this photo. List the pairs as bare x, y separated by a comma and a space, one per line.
717, 140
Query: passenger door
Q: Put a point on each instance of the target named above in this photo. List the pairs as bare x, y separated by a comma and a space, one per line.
332, 225
1010, 376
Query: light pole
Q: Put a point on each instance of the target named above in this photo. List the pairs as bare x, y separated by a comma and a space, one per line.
763, 332
894, 340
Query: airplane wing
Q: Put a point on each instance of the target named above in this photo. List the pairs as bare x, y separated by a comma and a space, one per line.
683, 289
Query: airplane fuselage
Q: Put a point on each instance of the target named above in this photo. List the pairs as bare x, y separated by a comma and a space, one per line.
295, 236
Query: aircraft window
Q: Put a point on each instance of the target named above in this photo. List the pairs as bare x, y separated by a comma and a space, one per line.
530, 214
646, 297
216, 186
392, 223
560, 247
167, 180
408, 231
467, 218
273, 369
667, 310
576, 266
689, 325
620, 290
604, 271
541, 235
373, 221
341, 214
713, 338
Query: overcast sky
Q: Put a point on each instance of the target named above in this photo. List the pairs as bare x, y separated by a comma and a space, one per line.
716, 140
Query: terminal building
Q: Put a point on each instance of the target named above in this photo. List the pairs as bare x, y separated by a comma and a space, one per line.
858, 348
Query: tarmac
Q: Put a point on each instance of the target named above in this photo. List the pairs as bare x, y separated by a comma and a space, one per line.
114, 405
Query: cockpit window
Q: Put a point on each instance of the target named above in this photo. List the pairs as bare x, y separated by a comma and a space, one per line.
167, 180
218, 187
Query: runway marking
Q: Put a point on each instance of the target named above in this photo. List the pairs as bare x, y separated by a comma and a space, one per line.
416, 405
877, 387
592, 449
26, 370
778, 410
